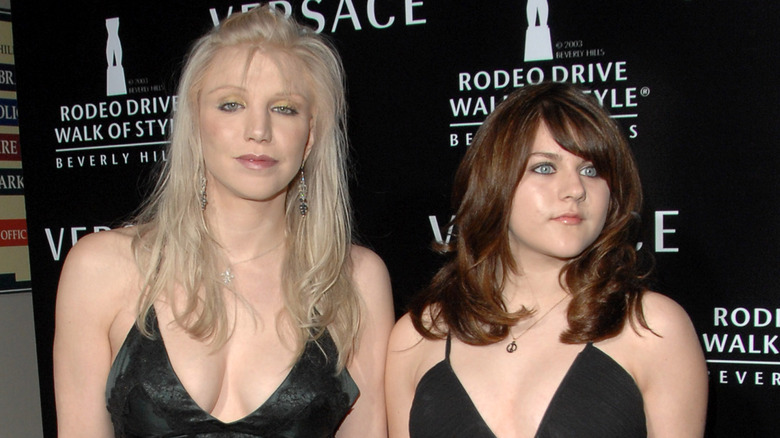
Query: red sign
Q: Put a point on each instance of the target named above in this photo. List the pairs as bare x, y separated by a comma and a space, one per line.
13, 232
9, 147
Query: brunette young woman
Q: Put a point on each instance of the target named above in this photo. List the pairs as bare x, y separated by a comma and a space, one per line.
540, 324
236, 305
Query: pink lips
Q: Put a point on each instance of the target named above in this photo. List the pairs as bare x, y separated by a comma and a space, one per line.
568, 219
251, 161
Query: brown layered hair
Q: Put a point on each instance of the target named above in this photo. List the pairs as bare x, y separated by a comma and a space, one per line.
606, 280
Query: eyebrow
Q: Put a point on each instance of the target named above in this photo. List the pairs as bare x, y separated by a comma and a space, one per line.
225, 87
239, 88
548, 155
552, 156
293, 98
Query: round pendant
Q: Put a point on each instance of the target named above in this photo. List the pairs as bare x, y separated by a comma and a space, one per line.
511, 347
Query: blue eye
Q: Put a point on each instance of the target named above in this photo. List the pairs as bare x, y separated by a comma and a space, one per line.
544, 168
286, 110
589, 171
230, 106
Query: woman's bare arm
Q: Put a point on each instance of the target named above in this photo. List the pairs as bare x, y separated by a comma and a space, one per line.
367, 419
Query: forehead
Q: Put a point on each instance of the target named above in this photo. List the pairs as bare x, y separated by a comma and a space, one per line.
565, 142
249, 67
544, 142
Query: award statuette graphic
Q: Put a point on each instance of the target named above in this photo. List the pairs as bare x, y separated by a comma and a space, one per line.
538, 44
115, 75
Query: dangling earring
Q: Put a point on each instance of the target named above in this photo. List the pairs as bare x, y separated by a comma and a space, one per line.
203, 199
302, 190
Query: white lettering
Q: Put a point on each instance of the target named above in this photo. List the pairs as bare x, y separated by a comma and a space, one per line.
745, 319
737, 344
285, 5
437, 229
757, 312
314, 15
769, 344
660, 231
716, 341
372, 17
720, 316
55, 252
351, 15
408, 8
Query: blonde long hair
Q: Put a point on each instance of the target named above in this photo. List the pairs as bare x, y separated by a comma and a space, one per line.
173, 246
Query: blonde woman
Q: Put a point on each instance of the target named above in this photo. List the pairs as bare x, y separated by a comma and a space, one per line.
236, 305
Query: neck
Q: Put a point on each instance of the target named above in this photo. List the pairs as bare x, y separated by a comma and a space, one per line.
533, 289
248, 228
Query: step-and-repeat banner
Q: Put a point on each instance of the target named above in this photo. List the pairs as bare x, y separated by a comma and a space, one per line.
693, 83
14, 257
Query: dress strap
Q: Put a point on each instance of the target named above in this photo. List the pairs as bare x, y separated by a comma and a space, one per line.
447, 348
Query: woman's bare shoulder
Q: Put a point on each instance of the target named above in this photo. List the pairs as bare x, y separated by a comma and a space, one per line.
407, 339
370, 275
410, 354
99, 270
102, 247
670, 338
669, 367
404, 335
365, 262
664, 316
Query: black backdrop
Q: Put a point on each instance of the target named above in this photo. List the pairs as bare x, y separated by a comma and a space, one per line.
691, 82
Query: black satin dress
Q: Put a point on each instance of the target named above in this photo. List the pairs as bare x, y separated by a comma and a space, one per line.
146, 399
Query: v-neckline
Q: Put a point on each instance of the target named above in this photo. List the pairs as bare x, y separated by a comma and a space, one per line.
576, 360
189, 397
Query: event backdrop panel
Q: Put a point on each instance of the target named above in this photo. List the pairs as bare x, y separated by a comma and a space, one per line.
692, 84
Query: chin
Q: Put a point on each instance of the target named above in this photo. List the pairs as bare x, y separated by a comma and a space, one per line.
567, 255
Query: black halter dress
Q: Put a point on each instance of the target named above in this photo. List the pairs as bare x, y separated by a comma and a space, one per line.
146, 398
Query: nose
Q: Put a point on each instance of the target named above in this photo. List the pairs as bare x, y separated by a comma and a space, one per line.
572, 186
258, 126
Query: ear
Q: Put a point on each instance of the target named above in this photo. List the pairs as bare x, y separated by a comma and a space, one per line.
310, 140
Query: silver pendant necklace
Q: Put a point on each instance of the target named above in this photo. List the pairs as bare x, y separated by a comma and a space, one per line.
227, 275
513, 345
